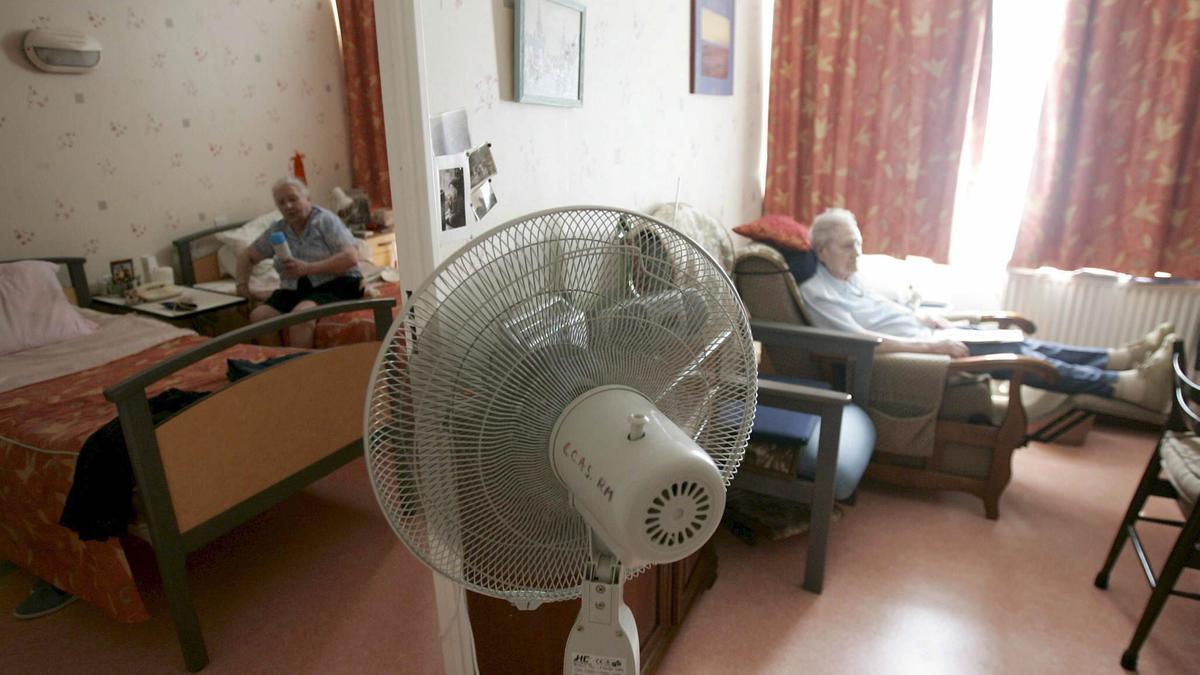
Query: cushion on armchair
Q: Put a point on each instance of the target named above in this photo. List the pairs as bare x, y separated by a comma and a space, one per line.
802, 264
783, 433
779, 231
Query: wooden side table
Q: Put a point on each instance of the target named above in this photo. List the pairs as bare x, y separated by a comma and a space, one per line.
383, 247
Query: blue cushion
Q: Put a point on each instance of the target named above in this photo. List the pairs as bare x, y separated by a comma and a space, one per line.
854, 451
780, 425
857, 438
802, 264
783, 425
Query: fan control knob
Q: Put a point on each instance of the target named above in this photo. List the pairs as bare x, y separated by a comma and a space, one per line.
637, 426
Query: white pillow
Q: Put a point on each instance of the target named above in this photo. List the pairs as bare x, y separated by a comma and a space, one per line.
234, 241
34, 312
263, 274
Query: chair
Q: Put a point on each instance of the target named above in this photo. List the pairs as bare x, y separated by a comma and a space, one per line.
937, 423
1173, 472
834, 458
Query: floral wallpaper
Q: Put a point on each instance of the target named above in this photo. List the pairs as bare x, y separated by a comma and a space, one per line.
194, 111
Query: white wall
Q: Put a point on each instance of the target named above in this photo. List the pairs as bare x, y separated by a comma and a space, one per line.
193, 112
639, 129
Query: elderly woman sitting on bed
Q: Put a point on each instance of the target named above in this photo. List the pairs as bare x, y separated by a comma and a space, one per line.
322, 266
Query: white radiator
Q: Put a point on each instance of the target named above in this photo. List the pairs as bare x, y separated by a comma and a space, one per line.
1102, 310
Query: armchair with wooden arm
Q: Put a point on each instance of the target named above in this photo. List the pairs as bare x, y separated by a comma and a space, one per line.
938, 425
829, 462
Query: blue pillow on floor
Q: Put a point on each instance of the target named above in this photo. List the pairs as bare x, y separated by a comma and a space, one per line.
781, 424
855, 445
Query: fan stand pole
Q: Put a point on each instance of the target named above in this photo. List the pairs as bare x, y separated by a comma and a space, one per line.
604, 638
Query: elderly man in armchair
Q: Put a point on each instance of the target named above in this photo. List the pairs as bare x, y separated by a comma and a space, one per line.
1139, 372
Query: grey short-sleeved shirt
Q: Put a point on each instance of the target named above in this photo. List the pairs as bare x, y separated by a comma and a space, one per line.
324, 235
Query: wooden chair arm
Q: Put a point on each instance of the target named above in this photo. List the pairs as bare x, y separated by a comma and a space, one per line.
856, 351
1001, 318
1013, 426
800, 398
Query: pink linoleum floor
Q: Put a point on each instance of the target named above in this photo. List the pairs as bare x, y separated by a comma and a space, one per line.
916, 583
923, 583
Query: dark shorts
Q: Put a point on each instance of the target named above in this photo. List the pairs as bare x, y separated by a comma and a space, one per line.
341, 288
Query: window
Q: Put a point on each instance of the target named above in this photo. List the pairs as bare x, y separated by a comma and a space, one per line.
989, 203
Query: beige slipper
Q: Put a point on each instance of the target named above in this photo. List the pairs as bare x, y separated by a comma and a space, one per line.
1159, 376
1144, 346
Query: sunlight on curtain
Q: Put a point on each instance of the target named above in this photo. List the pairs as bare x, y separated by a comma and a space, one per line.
988, 210
766, 34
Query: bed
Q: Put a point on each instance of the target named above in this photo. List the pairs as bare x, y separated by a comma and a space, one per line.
199, 473
207, 259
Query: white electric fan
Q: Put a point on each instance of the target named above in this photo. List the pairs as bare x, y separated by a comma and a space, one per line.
561, 404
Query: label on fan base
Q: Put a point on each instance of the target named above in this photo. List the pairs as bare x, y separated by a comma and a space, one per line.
593, 664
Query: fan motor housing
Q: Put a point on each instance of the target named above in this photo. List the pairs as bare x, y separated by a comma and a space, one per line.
649, 492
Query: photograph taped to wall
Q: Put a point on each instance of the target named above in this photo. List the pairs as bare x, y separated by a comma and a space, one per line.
483, 198
453, 176
483, 165
549, 44
450, 132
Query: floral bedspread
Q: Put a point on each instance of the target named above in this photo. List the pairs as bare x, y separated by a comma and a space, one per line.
354, 327
42, 428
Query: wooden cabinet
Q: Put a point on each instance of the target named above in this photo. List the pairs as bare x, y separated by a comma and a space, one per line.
383, 247
508, 640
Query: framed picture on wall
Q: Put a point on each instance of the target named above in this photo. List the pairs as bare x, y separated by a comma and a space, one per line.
712, 47
548, 51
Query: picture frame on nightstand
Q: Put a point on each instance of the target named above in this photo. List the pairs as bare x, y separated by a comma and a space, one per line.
121, 276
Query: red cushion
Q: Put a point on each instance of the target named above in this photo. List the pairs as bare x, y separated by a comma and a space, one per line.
777, 230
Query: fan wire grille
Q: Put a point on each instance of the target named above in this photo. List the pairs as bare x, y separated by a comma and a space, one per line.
486, 355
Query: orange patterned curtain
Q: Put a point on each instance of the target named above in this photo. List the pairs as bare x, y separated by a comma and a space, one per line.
368, 145
870, 105
1115, 181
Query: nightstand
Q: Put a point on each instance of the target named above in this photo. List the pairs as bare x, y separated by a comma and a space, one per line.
208, 318
383, 247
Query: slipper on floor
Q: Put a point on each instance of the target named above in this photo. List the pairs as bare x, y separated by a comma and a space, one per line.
43, 599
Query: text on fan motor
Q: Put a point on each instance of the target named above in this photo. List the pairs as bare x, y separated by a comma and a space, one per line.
580, 460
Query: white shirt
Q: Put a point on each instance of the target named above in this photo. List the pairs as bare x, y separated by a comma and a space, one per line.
845, 305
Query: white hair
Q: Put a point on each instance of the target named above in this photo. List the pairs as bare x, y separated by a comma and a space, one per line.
292, 181
826, 226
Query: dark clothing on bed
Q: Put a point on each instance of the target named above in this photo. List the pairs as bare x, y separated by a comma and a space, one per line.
236, 369
100, 503
341, 288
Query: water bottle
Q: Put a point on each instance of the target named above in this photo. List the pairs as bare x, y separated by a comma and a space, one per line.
279, 243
